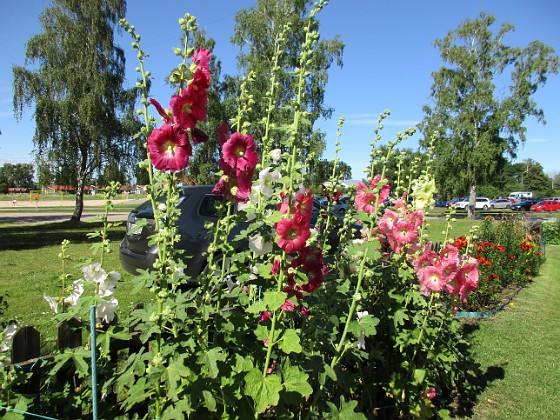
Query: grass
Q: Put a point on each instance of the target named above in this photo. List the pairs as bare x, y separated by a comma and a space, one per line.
29, 256
518, 348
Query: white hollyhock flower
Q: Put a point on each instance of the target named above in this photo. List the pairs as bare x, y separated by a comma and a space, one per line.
267, 179
77, 290
259, 244
361, 344
94, 272
109, 283
52, 303
7, 336
276, 154
105, 310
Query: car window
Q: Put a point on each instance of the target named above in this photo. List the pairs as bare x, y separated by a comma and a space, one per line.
208, 206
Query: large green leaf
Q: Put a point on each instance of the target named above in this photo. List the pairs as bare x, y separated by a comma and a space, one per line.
290, 343
296, 381
265, 392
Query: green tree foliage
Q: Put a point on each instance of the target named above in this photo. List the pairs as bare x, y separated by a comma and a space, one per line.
74, 77
281, 25
323, 171
18, 175
473, 125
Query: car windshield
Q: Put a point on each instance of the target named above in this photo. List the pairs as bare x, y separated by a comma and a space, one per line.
145, 209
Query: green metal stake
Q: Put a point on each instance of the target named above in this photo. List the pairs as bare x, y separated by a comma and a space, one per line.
93, 362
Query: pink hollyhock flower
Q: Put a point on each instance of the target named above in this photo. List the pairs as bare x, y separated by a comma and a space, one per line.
468, 276
223, 133
288, 306
169, 148
366, 200
275, 268
387, 221
449, 253
429, 393
431, 279
416, 218
302, 205
240, 152
303, 310
293, 233
202, 57
265, 315
425, 259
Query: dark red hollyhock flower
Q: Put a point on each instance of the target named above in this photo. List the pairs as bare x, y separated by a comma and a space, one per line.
189, 107
302, 205
169, 148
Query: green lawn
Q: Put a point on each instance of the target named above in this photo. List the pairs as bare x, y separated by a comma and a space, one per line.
519, 351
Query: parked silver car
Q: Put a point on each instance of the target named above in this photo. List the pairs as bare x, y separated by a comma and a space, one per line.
500, 203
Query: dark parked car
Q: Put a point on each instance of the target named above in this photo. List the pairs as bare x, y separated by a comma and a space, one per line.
198, 206
525, 205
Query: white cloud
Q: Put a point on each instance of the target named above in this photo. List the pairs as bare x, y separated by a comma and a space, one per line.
537, 140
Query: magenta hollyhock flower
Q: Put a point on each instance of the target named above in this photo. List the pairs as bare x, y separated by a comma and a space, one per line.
223, 133
429, 393
202, 57
302, 205
169, 148
265, 315
293, 233
240, 152
431, 279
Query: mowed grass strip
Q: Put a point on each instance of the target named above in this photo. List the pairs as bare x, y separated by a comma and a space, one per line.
521, 345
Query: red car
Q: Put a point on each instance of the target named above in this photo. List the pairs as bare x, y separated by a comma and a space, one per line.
546, 205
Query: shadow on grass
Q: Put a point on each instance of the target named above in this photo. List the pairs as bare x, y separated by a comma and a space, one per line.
20, 237
477, 378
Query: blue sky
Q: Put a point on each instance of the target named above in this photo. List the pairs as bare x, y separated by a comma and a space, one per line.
388, 60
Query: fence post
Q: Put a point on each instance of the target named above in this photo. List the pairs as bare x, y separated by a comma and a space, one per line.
26, 345
69, 334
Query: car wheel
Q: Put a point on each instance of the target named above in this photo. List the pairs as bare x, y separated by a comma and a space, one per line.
508, 206
485, 207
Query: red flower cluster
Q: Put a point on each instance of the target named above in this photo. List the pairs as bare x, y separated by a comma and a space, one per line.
527, 245
310, 261
169, 146
238, 162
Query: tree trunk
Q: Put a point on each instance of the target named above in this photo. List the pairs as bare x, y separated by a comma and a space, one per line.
79, 208
472, 203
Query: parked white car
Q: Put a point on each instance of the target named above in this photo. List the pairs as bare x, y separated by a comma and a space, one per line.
482, 203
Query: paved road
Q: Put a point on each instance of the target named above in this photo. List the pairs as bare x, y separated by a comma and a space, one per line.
23, 211
53, 217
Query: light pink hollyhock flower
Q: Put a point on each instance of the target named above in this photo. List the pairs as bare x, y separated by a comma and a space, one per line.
431, 280
240, 152
449, 253
468, 277
387, 221
404, 233
288, 305
293, 233
416, 218
169, 148
426, 258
